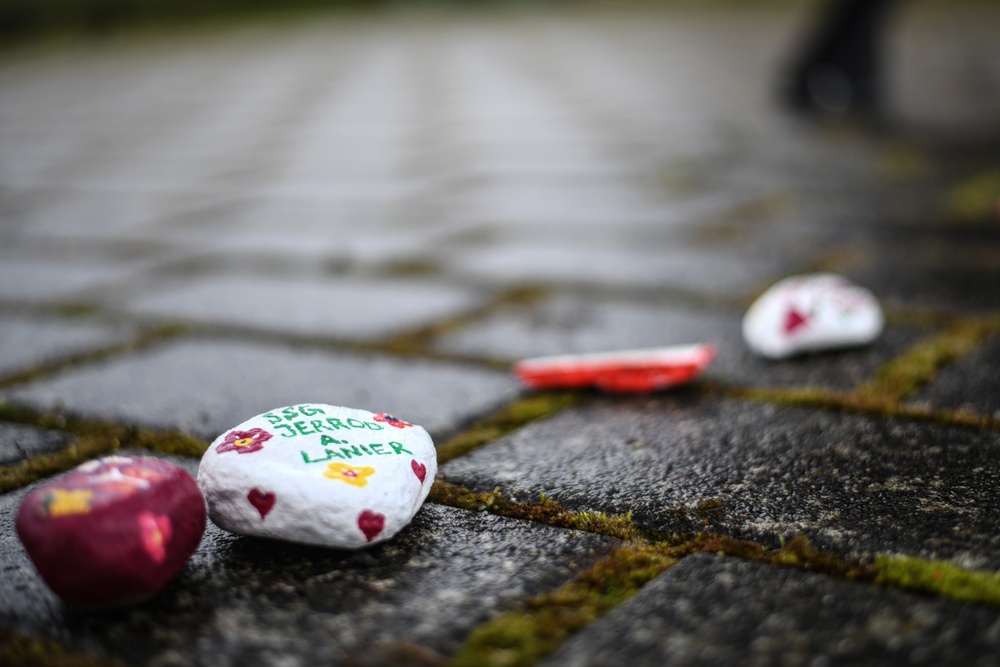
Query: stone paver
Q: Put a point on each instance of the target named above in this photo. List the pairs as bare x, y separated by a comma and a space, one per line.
18, 442
344, 308
853, 484
720, 611
289, 604
711, 273
970, 385
27, 342
205, 387
43, 280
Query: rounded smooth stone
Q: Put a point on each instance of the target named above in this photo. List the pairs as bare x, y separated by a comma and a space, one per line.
811, 313
318, 474
114, 530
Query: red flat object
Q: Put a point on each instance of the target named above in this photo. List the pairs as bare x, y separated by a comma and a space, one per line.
626, 371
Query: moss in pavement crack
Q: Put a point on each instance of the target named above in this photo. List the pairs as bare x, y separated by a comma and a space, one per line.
509, 418
139, 342
526, 635
93, 438
547, 511
18, 650
904, 375
939, 577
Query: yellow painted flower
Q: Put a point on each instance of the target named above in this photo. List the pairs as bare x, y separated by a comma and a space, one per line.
354, 475
64, 503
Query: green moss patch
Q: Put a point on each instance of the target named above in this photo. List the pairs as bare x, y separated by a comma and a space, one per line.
832, 400
507, 419
419, 340
141, 341
17, 650
908, 372
547, 511
94, 438
539, 626
975, 199
940, 578
535, 630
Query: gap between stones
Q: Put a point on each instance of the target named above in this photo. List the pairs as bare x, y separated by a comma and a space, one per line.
540, 624
18, 650
143, 340
94, 438
897, 379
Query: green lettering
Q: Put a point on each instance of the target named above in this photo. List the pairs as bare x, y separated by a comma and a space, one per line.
377, 448
399, 449
318, 425
366, 450
303, 429
272, 418
373, 426
355, 423
336, 423
329, 455
290, 413
347, 451
291, 432
324, 439
309, 412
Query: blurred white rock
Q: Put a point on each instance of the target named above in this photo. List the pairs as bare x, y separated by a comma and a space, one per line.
811, 313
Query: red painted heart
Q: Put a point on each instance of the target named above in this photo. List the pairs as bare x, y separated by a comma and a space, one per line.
419, 469
156, 531
262, 502
794, 320
371, 524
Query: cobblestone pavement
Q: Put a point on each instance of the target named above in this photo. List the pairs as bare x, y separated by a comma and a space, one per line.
386, 211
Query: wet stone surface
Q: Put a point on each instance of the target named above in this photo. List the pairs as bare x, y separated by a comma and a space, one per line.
276, 603
204, 387
26, 342
854, 485
566, 324
18, 442
971, 384
680, 268
719, 611
343, 308
952, 268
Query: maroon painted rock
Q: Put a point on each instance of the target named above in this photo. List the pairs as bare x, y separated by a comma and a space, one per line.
113, 530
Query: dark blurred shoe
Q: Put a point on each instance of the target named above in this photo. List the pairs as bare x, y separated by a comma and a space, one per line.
838, 71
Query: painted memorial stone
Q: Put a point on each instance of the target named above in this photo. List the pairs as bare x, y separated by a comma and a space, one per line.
114, 530
623, 371
318, 474
810, 313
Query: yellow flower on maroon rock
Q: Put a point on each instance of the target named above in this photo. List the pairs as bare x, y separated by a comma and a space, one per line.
353, 475
64, 502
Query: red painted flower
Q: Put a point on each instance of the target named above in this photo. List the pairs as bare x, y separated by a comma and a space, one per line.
244, 442
391, 421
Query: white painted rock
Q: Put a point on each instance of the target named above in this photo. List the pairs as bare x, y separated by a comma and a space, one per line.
318, 474
810, 313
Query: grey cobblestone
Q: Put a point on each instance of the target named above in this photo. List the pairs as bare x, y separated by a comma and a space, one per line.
854, 485
204, 387
18, 442
26, 342
713, 611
